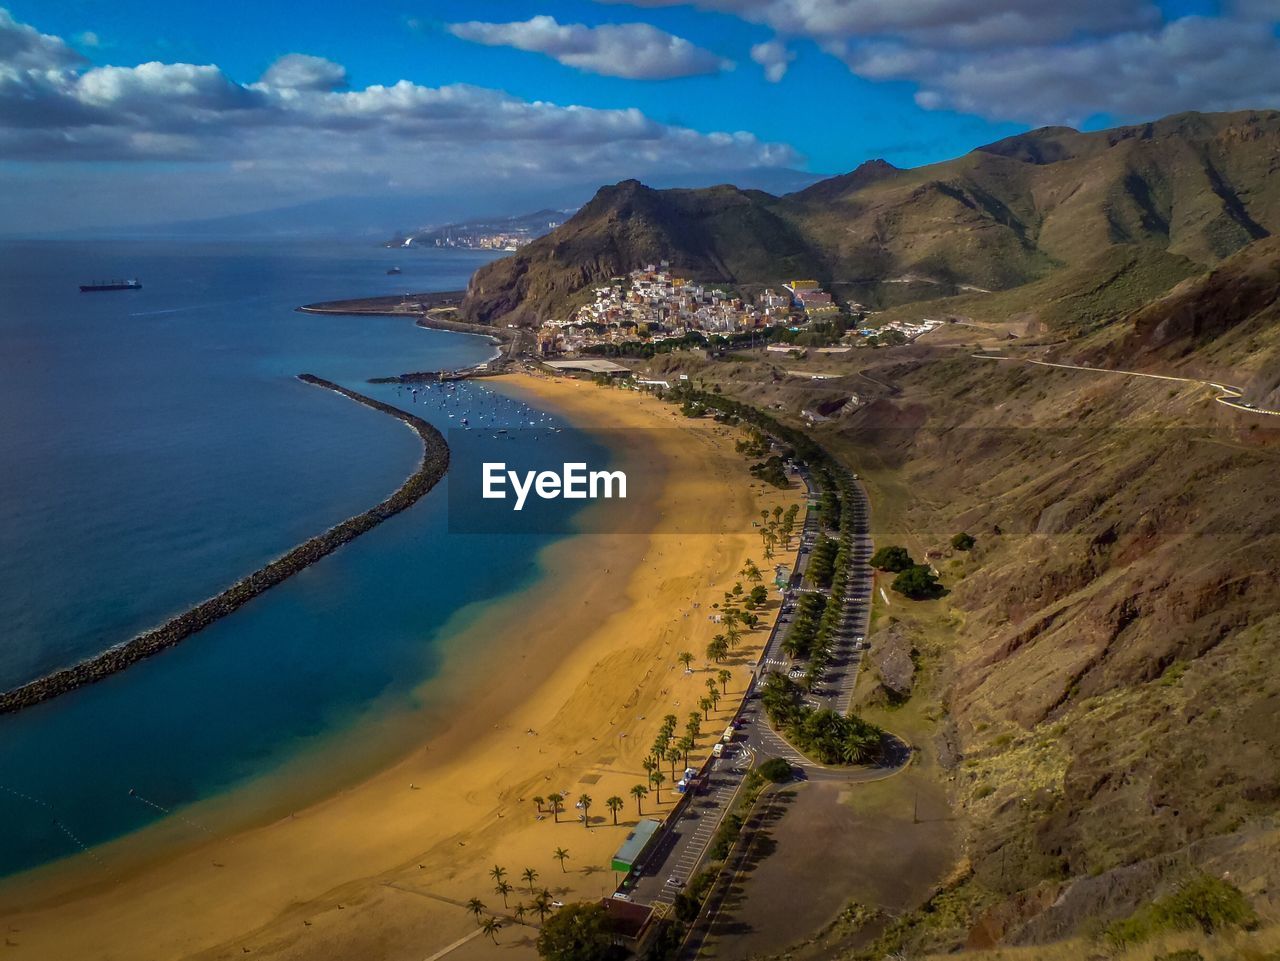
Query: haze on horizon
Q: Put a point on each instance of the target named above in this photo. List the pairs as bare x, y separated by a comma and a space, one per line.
139, 113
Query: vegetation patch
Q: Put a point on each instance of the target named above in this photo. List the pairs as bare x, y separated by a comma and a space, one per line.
830, 737
1200, 903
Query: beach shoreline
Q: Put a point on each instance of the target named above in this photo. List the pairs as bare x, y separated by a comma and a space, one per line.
594, 651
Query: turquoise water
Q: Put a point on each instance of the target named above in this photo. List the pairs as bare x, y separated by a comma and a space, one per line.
154, 447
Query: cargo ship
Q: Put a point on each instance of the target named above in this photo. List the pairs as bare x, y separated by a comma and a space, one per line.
111, 285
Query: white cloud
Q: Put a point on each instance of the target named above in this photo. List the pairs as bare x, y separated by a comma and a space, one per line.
775, 57
87, 38
296, 123
1035, 62
299, 71
22, 47
1191, 64
636, 51
970, 22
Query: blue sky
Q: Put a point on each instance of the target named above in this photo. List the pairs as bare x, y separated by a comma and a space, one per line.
500, 94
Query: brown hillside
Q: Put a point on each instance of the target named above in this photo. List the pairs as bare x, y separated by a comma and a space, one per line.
1197, 186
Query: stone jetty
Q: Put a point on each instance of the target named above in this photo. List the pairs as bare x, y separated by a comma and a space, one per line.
435, 461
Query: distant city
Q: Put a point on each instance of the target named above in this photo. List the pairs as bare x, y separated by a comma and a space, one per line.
507, 233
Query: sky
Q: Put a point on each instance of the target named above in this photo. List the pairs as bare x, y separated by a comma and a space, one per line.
123, 112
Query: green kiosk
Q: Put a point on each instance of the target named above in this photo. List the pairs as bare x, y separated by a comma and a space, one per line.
633, 849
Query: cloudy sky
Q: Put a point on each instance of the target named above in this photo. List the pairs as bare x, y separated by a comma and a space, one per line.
114, 112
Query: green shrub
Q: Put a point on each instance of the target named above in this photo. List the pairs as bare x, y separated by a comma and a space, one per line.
776, 770
892, 558
1203, 903
918, 582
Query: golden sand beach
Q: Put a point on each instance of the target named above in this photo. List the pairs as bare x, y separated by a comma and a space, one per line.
560, 689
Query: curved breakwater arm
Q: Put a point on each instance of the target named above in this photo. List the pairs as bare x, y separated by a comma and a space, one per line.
434, 463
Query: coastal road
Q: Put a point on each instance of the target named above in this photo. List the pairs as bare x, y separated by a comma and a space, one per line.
1228, 395
683, 844
680, 850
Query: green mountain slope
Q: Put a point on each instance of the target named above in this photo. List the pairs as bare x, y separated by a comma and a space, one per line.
1196, 186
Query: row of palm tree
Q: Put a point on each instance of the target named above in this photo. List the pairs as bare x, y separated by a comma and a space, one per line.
542, 904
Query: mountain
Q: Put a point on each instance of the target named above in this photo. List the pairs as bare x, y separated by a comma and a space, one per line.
1227, 319
717, 233
471, 233
332, 218
1197, 186
1094, 696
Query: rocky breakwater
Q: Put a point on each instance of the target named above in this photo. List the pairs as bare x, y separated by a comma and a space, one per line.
435, 461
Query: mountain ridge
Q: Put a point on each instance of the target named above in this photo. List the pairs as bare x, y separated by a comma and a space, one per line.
1197, 185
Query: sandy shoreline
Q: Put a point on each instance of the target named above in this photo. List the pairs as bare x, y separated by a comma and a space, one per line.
570, 703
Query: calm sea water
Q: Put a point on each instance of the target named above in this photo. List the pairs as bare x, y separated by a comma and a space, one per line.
155, 446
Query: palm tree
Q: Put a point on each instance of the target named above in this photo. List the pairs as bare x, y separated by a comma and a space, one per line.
555, 800
614, 804
685, 744
725, 678
504, 888
711, 685
706, 704
476, 907
673, 755
562, 855
542, 904
491, 927
584, 801
694, 725
638, 792
649, 763
714, 695
539, 800
685, 658
529, 875
669, 724
777, 512
520, 911
656, 779
497, 872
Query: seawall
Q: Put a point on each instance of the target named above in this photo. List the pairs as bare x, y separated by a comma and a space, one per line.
434, 463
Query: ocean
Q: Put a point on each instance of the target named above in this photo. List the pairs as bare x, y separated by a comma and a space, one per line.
154, 447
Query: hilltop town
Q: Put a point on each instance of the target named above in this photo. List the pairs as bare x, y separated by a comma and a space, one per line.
654, 308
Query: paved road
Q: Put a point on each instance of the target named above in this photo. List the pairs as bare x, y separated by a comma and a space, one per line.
1228, 395
681, 849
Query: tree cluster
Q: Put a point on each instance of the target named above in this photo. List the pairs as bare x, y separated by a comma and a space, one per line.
830, 737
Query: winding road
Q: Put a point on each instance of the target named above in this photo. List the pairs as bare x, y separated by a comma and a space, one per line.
1228, 395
